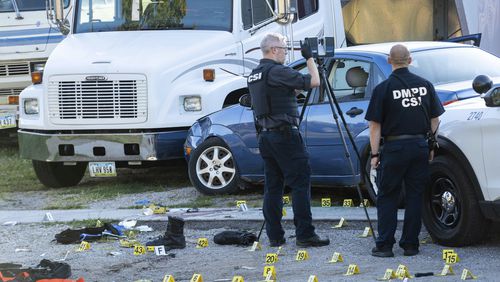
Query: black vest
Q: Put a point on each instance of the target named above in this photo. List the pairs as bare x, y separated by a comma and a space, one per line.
268, 100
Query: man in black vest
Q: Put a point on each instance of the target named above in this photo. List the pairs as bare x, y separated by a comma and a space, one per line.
402, 110
286, 161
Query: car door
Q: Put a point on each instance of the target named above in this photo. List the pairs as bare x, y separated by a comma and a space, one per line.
329, 162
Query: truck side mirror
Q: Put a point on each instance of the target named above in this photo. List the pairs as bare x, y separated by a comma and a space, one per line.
59, 10
286, 11
246, 100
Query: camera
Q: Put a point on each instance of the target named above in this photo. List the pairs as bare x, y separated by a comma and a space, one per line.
324, 47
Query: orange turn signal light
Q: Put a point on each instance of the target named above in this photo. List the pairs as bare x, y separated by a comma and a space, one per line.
36, 77
209, 74
14, 100
188, 151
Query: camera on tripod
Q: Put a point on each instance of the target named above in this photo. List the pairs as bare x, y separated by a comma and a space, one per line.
327, 43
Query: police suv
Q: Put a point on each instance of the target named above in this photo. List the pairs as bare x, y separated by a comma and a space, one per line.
464, 195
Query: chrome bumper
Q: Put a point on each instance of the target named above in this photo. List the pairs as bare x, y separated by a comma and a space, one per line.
101, 147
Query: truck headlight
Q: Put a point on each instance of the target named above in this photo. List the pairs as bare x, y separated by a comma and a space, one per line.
31, 106
192, 104
37, 66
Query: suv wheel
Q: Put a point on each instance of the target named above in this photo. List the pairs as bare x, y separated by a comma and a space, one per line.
451, 210
212, 168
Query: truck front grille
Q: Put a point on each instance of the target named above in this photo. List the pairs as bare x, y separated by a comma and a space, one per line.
84, 101
14, 69
10, 91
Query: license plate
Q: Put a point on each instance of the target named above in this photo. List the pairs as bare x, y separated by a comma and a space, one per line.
8, 121
102, 169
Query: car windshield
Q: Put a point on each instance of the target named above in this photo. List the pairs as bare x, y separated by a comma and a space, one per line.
122, 15
448, 65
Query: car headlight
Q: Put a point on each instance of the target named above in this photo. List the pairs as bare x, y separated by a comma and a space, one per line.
192, 104
31, 106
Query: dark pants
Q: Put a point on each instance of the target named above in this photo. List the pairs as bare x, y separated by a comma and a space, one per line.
286, 162
401, 160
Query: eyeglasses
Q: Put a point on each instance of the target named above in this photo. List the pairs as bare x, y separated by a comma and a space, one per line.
280, 47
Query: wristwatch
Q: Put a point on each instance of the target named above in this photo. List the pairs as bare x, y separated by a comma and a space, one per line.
375, 155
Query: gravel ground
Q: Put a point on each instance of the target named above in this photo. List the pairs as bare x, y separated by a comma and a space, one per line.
220, 263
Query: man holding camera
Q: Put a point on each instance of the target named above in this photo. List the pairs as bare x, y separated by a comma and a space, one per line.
286, 161
403, 110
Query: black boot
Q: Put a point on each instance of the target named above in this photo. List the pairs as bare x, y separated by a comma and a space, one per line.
174, 236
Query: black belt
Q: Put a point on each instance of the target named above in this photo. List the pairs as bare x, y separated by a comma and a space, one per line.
404, 136
281, 128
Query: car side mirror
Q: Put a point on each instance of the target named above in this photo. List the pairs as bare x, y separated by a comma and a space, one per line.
482, 83
492, 98
246, 100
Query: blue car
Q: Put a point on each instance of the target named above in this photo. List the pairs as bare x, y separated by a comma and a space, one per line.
222, 150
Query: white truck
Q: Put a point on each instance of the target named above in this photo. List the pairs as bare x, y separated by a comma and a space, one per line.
130, 78
26, 40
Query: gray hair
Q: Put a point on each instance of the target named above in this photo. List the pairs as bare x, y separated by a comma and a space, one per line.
271, 40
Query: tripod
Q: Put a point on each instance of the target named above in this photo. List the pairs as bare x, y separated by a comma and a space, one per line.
332, 100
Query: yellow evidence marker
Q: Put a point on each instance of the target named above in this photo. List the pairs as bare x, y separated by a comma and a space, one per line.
159, 210
256, 246
337, 257
467, 275
271, 258
168, 278
269, 273
238, 279
446, 252
367, 232
302, 255
365, 202
286, 200
326, 202
98, 223
312, 278
341, 223
84, 245
202, 243
128, 243
139, 250
196, 278
352, 269
347, 203
150, 248
447, 270
240, 202
388, 275
402, 272
452, 258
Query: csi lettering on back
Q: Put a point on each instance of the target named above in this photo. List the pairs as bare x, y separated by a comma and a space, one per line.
410, 97
254, 77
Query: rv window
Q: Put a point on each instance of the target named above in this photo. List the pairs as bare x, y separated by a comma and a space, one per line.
307, 7
25, 5
246, 13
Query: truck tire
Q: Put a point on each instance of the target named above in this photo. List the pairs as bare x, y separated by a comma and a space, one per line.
451, 210
57, 175
212, 168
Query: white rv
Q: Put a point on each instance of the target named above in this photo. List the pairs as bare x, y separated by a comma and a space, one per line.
130, 78
26, 40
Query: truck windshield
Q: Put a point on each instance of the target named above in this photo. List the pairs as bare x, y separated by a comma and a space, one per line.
123, 15
25, 5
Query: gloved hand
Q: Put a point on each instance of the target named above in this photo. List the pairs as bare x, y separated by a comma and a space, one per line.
305, 49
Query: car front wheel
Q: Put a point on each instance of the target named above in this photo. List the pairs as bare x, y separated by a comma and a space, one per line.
451, 210
212, 168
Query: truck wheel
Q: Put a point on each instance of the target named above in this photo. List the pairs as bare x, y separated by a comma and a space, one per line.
212, 168
57, 175
451, 210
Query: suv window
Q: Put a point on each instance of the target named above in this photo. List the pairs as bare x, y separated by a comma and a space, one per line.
353, 79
